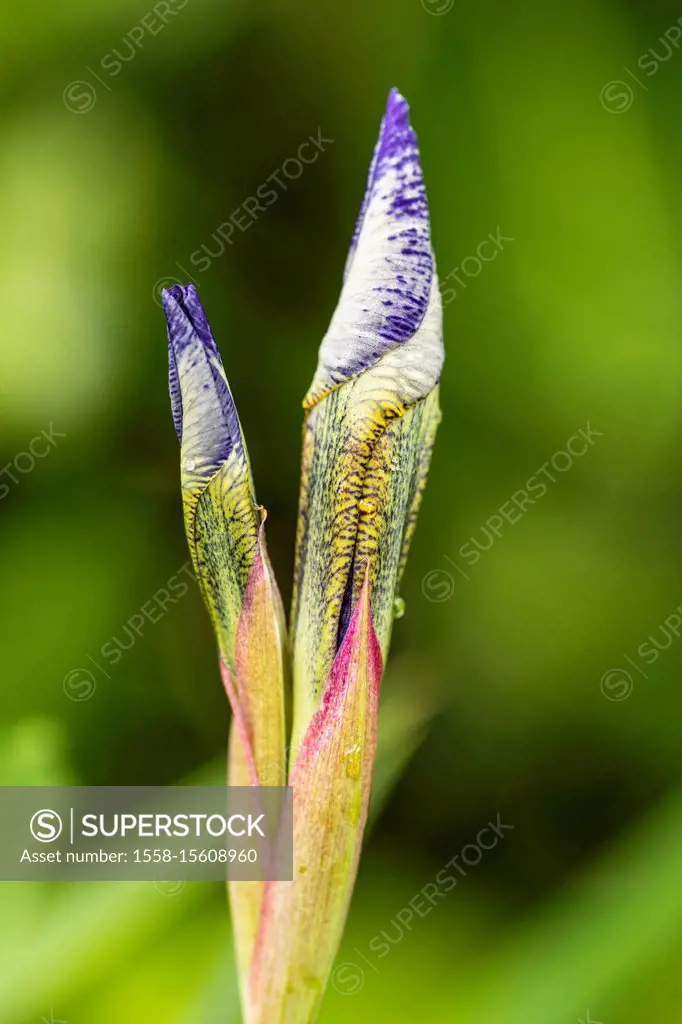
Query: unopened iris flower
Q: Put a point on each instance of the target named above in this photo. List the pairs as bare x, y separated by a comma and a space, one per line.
371, 415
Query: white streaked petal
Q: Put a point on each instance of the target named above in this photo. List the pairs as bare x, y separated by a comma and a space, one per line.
389, 300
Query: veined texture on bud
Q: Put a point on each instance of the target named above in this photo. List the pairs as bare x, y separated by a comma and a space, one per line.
226, 535
221, 515
370, 417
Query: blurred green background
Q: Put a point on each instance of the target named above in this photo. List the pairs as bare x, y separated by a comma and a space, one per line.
521, 688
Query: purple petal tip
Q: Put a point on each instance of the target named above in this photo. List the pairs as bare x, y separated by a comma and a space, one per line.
397, 110
197, 382
182, 303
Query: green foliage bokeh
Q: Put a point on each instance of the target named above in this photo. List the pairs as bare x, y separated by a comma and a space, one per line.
540, 682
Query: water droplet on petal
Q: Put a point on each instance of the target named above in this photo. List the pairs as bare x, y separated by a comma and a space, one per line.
352, 760
190, 465
398, 607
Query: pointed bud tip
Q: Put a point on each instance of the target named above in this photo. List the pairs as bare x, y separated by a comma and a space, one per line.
172, 299
204, 413
396, 135
174, 295
397, 110
182, 306
390, 296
